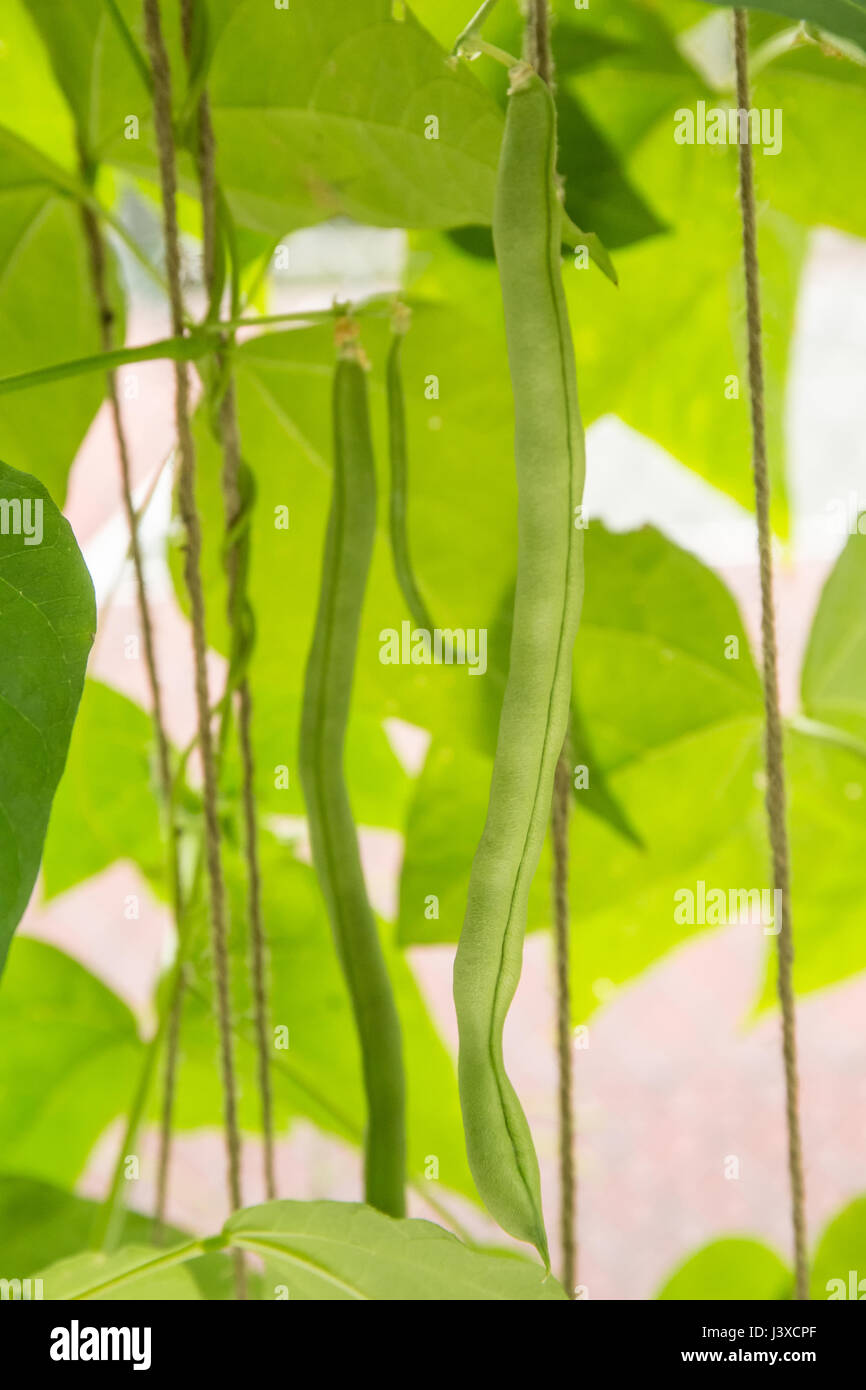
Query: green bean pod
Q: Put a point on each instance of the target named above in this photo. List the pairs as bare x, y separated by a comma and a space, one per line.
327, 696
549, 452
400, 478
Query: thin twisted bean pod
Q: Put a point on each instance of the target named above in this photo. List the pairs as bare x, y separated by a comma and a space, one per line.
327, 697
398, 451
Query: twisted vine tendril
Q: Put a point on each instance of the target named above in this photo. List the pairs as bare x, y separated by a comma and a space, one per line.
775, 794
238, 487
162, 110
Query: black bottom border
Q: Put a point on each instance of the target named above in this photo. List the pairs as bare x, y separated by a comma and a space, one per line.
255, 1339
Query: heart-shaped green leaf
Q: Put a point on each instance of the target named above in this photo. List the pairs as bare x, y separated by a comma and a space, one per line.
47, 625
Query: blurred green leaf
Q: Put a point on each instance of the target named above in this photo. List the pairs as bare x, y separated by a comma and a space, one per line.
839, 1253
847, 18
826, 771
46, 316
730, 1269
92, 56
70, 1051
826, 827
690, 802
598, 194
47, 625
41, 1225
322, 110
30, 101
834, 668
740, 1268
679, 318
106, 806
822, 102
141, 1272
662, 652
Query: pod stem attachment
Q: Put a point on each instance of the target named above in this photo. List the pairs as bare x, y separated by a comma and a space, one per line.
347, 340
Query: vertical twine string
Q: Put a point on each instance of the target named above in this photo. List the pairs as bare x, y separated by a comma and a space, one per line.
539, 54
775, 793
258, 939
229, 431
96, 250
567, 1170
162, 110
538, 49
177, 1002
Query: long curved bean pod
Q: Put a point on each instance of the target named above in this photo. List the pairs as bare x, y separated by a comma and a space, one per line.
549, 452
400, 477
327, 696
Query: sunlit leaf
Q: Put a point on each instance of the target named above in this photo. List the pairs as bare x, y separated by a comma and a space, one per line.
47, 625
40, 1225
839, 1256
325, 109
730, 1269
68, 1065
844, 17
343, 1251
102, 811
834, 668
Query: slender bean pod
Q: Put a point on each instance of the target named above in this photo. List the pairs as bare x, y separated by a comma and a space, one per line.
549, 453
327, 696
400, 477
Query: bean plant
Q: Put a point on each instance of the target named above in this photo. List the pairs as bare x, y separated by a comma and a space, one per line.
403, 617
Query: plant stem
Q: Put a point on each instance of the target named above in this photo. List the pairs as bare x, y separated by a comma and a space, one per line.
475, 24
561, 920
171, 1035
477, 45
775, 794
179, 349
180, 1255
538, 50
188, 347
130, 44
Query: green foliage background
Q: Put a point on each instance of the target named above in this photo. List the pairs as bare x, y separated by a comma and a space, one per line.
326, 123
